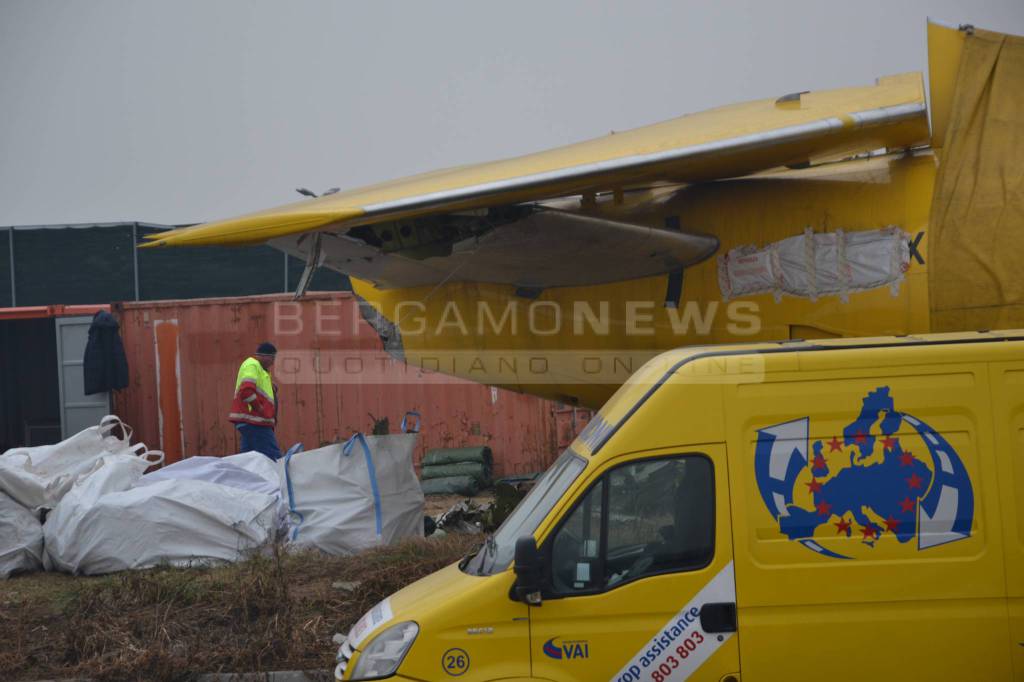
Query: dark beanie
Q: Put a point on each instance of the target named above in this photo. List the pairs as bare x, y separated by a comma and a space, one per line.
266, 348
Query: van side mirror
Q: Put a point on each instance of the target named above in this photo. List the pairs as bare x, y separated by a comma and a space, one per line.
529, 570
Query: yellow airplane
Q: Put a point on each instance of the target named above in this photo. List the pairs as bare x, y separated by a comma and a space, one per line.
811, 215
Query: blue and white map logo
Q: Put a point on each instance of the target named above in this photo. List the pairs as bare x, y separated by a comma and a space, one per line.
867, 482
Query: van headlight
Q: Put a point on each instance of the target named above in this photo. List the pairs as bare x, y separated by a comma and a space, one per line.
385, 652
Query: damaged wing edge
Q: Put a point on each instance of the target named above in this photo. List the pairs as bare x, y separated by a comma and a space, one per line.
263, 227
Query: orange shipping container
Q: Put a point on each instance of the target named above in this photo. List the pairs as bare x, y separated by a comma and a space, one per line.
332, 373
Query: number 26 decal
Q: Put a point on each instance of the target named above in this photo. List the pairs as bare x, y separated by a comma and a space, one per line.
455, 662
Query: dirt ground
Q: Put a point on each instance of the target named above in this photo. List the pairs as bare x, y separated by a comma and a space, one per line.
274, 611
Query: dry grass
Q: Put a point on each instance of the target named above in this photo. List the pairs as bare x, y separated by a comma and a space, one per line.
275, 611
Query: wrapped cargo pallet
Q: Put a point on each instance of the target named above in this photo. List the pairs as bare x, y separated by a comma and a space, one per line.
450, 485
456, 471
478, 470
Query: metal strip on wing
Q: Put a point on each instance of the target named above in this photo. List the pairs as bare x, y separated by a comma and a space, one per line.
867, 118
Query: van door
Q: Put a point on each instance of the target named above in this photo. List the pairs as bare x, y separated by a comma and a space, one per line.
1008, 412
640, 578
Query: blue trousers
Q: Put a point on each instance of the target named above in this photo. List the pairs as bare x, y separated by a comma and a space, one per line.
260, 439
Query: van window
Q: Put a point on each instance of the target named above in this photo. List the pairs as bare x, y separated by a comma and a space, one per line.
642, 518
577, 547
496, 554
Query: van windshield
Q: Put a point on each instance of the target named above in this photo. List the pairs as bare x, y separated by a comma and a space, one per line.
499, 549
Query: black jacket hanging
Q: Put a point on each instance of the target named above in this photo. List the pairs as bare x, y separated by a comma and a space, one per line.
106, 367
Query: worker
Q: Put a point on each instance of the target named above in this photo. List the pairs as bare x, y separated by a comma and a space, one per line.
254, 408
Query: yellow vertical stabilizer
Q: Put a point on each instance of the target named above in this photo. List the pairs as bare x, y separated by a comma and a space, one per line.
977, 216
945, 45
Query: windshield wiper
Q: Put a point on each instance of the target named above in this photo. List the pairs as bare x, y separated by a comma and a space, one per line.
490, 548
473, 553
479, 553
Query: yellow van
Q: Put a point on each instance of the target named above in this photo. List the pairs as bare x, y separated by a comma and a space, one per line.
835, 510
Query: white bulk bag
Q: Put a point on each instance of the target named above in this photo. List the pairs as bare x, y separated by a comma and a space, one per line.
175, 522
257, 463
38, 477
252, 471
21, 539
66, 524
237, 471
348, 497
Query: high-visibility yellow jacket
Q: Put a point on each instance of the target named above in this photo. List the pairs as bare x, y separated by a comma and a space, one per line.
254, 402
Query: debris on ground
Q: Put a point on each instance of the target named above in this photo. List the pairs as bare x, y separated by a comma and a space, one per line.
466, 516
480, 513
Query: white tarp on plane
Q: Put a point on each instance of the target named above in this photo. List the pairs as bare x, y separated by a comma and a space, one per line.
813, 264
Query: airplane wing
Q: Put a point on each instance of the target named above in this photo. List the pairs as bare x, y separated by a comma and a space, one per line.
530, 251
729, 141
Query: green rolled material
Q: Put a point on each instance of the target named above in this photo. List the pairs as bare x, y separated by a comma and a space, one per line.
478, 454
479, 471
450, 485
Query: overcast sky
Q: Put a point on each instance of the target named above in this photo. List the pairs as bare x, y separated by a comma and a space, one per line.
188, 110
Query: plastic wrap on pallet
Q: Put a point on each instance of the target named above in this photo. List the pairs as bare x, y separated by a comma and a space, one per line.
451, 485
481, 473
481, 454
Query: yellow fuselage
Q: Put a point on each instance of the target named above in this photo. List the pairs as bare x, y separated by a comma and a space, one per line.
578, 344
